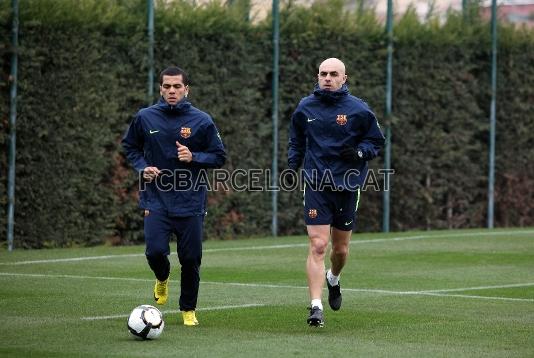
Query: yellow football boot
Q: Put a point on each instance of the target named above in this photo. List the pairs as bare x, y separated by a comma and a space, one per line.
189, 318
161, 291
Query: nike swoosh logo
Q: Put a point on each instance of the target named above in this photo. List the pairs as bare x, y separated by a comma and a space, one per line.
311, 120
152, 132
350, 222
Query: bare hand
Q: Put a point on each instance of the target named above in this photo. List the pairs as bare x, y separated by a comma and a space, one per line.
150, 173
184, 155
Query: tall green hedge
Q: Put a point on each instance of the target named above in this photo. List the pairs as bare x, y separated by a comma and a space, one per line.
82, 75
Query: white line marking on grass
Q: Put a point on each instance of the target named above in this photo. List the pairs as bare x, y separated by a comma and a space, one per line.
368, 290
475, 297
480, 288
270, 247
216, 308
440, 236
70, 259
76, 277
264, 247
356, 242
260, 285
390, 292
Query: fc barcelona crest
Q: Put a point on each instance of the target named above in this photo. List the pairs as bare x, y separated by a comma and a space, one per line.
185, 132
312, 213
341, 119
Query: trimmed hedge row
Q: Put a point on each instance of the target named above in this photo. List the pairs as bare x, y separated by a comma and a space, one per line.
82, 75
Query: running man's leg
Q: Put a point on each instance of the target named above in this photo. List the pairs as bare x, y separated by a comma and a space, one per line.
343, 223
340, 250
157, 230
189, 233
319, 236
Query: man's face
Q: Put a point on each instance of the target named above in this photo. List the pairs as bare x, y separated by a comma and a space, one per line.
172, 89
331, 75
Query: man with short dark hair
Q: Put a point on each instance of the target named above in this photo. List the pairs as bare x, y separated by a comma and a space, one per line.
334, 134
169, 144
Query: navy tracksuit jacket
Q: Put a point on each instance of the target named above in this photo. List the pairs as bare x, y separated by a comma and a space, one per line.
151, 141
322, 124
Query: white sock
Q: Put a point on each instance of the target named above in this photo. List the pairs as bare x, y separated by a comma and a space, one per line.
333, 280
317, 303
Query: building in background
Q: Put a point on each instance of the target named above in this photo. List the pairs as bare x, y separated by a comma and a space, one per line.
260, 8
520, 12
423, 8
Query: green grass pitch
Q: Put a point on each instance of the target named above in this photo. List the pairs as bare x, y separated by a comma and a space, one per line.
466, 293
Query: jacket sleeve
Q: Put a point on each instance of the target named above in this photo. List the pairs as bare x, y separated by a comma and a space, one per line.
214, 156
297, 141
373, 139
133, 142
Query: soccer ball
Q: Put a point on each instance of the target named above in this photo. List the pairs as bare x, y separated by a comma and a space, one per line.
146, 322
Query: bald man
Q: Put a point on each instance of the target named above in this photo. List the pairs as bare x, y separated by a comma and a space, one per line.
333, 134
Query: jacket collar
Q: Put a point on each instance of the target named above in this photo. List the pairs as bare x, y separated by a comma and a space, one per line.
331, 96
181, 106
